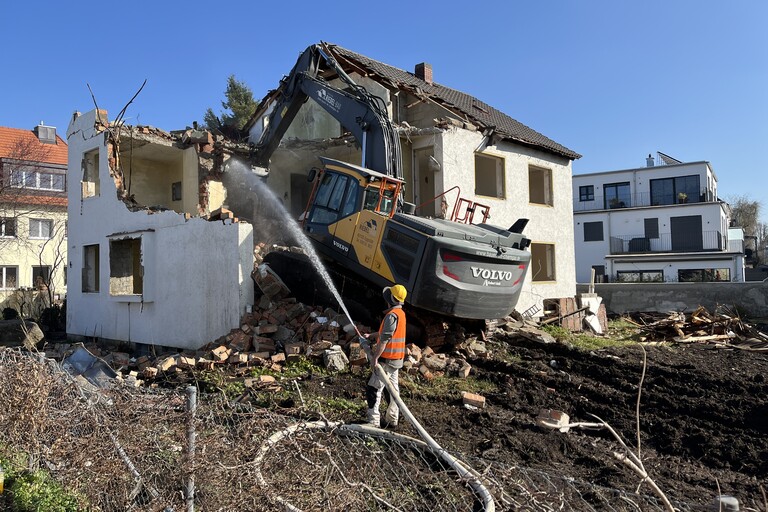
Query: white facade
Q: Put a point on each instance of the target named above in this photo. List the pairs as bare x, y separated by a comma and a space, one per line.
153, 276
656, 223
454, 155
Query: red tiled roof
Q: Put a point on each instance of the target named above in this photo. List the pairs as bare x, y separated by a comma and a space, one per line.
11, 139
40, 200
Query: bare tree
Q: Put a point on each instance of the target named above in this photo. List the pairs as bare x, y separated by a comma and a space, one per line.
745, 213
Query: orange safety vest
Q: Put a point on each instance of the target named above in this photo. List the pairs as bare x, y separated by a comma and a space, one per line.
395, 348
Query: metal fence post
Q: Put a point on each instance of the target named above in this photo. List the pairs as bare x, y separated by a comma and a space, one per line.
191, 409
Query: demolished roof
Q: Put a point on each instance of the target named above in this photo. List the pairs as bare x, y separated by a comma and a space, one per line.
461, 104
481, 113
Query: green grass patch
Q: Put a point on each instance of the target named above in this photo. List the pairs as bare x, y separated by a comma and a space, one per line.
440, 387
620, 333
26, 491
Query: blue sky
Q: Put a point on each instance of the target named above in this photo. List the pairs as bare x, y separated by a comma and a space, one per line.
613, 80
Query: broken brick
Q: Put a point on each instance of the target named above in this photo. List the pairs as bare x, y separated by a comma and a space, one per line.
166, 364
278, 358
221, 353
265, 329
240, 341
473, 399
424, 371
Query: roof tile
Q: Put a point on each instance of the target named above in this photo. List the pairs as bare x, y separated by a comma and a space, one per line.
12, 138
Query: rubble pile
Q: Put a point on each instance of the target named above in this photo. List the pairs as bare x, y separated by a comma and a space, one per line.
721, 328
277, 331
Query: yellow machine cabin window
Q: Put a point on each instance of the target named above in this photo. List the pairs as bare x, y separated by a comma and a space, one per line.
335, 199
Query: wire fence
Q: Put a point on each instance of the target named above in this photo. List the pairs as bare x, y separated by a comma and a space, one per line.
127, 448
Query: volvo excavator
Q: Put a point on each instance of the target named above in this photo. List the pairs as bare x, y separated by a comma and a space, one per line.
357, 218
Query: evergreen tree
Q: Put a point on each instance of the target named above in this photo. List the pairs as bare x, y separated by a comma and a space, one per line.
238, 108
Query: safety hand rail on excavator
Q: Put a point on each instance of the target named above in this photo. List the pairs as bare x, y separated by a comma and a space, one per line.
471, 207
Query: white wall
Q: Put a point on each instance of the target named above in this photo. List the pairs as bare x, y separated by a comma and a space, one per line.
196, 273
630, 222
640, 181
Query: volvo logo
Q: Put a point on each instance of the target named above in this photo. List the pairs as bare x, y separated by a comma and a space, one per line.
504, 275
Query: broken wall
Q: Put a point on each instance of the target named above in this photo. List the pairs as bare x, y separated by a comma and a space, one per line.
144, 275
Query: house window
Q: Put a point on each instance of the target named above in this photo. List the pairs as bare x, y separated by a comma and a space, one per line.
704, 275
587, 193
640, 276
489, 176
176, 191
90, 182
682, 189
651, 228
40, 228
91, 269
617, 195
126, 273
540, 185
40, 276
22, 178
9, 276
8, 227
542, 262
593, 231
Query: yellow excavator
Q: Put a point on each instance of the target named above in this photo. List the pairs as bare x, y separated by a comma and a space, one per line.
459, 266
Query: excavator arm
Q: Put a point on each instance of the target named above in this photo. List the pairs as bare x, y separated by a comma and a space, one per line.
357, 110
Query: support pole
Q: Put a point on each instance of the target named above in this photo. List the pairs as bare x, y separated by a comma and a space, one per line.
191, 409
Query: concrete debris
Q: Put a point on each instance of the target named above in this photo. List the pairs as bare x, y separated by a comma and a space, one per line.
15, 333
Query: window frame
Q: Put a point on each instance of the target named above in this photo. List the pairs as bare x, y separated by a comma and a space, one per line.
551, 252
548, 189
500, 187
46, 277
617, 196
4, 222
4, 277
38, 236
31, 179
586, 193
602, 232
95, 250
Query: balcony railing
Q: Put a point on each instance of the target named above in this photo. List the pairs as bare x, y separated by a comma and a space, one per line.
639, 199
687, 242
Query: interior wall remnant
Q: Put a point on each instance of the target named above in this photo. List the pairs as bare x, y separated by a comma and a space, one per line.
126, 272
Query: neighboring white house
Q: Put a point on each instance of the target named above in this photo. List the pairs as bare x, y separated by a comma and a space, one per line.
33, 217
452, 144
145, 265
662, 222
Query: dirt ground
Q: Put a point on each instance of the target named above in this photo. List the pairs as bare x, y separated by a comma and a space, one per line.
703, 414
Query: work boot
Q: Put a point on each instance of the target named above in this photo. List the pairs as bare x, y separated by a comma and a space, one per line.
372, 418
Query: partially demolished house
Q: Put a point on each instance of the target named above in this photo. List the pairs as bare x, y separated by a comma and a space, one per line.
152, 259
452, 144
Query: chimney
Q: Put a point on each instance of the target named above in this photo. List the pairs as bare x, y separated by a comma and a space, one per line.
45, 134
649, 161
424, 71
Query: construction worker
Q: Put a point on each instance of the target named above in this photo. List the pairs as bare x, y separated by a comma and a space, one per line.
388, 351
